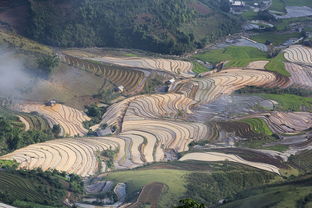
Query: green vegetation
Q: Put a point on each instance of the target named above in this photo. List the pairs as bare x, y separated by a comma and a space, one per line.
277, 65
249, 15
283, 25
295, 193
24, 188
190, 203
35, 121
8, 164
259, 126
301, 161
292, 91
236, 56
274, 37
204, 182
152, 83
288, 102
23, 43
109, 156
12, 137
278, 5
47, 64
198, 68
95, 113
298, 3
159, 26
136, 179
209, 188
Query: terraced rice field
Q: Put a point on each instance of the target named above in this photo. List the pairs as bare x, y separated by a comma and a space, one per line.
299, 54
207, 89
291, 123
167, 65
132, 80
33, 122
68, 118
301, 76
147, 123
79, 156
19, 187
216, 156
257, 65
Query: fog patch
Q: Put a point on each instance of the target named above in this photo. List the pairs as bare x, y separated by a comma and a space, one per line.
14, 79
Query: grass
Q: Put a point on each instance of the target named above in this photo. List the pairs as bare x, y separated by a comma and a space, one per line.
288, 102
298, 3
131, 55
8, 163
249, 15
24, 43
278, 5
259, 126
136, 179
25, 204
274, 37
237, 56
278, 148
276, 64
198, 68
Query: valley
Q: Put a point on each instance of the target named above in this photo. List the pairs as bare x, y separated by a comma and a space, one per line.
115, 122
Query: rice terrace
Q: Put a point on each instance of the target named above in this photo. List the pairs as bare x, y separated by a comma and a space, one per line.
147, 104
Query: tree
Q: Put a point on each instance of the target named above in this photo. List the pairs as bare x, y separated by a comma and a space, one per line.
225, 5
56, 130
190, 203
46, 64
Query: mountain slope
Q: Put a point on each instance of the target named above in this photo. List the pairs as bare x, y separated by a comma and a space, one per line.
159, 26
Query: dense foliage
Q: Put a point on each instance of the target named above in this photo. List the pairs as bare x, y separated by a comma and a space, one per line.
12, 138
34, 188
150, 25
209, 188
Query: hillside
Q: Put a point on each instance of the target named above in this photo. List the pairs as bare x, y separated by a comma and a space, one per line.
172, 27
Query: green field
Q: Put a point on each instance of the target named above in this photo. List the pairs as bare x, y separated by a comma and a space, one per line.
277, 65
274, 37
278, 5
236, 56
198, 68
203, 181
136, 179
259, 126
249, 15
288, 102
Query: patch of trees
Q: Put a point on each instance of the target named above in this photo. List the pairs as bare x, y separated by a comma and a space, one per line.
210, 188
12, 138
95, 113
46, 64
51, 186
292, 91
148, 25
109, 156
